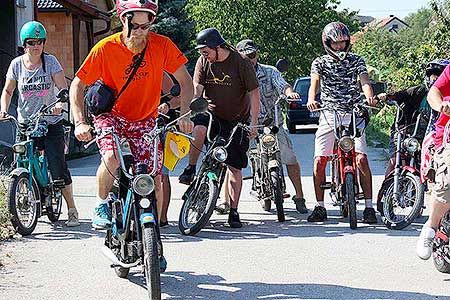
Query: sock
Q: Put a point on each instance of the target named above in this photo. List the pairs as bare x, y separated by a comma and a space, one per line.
369, 203
321, 203
101, 201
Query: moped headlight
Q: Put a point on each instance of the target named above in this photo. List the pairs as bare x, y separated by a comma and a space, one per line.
220, 154
411, 144
143, 184
268, 140
19, 148
346, 143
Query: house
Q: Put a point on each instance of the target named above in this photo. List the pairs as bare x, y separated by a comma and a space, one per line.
392, 24
363, 20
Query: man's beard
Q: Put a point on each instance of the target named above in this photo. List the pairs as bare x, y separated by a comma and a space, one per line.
136, 44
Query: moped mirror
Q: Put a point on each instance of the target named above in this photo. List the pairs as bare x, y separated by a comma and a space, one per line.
175, 90
282, 65
199, 105
275, 129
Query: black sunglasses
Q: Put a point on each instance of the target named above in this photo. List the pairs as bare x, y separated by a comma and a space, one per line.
144, 26
251, 55
34, 43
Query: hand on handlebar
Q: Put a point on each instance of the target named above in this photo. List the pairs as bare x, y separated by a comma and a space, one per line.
313, 105
292, 95
372, 101
163, 108
253, 132
57, 109
83, 132
185, 125
445, 108
4, 115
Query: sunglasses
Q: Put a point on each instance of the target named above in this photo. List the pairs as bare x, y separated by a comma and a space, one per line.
34, 43
144, 26
251, 55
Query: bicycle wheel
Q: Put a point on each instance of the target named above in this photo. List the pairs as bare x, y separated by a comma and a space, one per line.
23, 204
398, 213
54, 204
151, 262
198, 207
277, 193
350, 200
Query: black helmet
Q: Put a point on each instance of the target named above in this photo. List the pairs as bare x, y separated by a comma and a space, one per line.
336, 32
210, 38
435, 67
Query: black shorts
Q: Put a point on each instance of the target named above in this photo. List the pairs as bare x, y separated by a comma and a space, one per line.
237, 151
53, 145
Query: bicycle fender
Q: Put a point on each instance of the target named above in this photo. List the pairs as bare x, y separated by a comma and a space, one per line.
212, 176
18, 172
349, 169
273, 164
147, 218
410, 169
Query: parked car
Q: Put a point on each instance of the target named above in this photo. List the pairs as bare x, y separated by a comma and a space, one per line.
297, 112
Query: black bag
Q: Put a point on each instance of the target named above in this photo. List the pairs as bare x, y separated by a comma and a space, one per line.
100, 97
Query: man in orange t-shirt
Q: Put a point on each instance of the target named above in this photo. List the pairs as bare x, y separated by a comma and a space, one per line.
133, 114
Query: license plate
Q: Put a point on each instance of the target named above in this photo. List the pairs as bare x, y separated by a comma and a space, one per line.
314, 114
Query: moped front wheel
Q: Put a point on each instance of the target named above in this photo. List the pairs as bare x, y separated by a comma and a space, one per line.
23, 204
198, 206
277, 193
151, 262
400, 211
351, 200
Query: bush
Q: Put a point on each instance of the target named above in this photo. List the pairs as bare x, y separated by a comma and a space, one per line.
378, 131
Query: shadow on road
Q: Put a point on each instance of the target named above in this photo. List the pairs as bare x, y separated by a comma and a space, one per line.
186, 285
295, 226
58, 231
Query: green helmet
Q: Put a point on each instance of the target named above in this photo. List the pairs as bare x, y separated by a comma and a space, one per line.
32, 30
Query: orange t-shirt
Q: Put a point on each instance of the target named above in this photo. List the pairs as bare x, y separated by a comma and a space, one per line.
111, 61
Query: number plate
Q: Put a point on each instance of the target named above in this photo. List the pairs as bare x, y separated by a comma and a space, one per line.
314, 114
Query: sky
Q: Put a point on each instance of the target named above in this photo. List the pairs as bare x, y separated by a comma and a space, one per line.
384, 8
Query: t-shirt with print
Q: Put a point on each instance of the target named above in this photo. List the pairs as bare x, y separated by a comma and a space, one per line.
271, 85
112, 62
339, 83
226, 85
443, 84
35, 87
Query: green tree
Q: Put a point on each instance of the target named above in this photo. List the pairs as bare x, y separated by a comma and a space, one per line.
282, 28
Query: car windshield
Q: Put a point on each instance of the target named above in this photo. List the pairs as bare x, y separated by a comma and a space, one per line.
302, 87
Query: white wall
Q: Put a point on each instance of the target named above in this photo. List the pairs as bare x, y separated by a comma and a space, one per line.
23, 15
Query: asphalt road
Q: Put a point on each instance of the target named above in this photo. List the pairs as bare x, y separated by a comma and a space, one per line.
262, 260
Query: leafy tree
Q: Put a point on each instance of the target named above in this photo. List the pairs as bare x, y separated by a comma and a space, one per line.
282, 28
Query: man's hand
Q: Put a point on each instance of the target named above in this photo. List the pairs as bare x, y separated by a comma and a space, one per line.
164, 108
4, 115
185, 125
83, 132
57, 109
253, 131
293, 95
313, 105
382, 96
372, 101
445, 108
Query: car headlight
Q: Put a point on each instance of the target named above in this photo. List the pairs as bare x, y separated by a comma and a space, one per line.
346, 143
411, 144
220, 154
143, 184
19, 148
268, 140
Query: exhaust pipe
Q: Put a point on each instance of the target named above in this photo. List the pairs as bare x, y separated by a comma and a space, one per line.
116, 262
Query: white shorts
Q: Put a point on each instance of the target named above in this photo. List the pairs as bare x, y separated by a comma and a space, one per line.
324, 142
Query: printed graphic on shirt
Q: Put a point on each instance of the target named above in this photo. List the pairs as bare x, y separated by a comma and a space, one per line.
140, 74
223, 79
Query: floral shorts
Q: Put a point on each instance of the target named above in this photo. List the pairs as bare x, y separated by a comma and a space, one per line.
133, 132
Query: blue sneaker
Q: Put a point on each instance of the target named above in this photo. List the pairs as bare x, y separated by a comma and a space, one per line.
162, 264
102, 217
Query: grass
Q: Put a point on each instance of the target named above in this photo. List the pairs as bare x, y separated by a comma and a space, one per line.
6, 230
378, 131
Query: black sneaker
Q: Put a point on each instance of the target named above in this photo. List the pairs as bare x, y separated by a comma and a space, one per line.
300, 205
319, 214
369, 216
233, 219
188, 175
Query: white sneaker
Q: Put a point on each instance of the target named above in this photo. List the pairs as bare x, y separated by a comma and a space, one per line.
72, 219
424, 246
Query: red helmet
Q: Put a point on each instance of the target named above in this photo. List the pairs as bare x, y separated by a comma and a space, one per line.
126, 6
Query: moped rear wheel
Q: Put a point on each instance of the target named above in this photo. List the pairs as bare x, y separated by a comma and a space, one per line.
198, 206
23, 204
350, 200
399, 213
